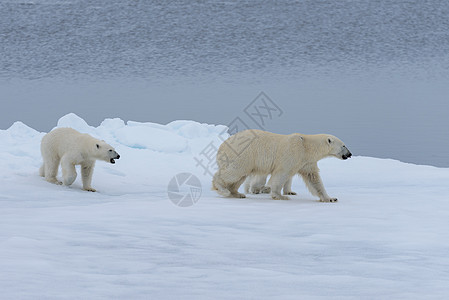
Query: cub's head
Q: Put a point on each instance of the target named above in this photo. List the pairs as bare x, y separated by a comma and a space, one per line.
105, 152
337, 148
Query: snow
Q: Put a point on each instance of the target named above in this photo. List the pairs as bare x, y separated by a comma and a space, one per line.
386, 238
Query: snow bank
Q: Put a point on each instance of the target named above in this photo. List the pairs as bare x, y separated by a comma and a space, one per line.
386, 238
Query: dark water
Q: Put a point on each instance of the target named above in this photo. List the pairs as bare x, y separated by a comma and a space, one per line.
372, 72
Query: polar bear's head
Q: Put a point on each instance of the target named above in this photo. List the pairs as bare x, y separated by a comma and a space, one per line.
105, 152
337, 148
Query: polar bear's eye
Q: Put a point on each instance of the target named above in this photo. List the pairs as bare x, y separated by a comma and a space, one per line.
329, 141
98, 146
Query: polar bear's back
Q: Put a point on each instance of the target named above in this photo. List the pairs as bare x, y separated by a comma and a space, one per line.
255, 150
63, 140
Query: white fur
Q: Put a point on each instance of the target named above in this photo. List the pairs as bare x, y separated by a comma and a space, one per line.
257, 184
68, 147
259, 153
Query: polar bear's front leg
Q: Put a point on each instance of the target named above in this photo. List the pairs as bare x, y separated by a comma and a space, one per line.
277, 181
315, 185
68, 170
87, 169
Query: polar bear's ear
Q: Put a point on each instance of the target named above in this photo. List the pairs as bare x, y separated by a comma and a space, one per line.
98, 146
296, 137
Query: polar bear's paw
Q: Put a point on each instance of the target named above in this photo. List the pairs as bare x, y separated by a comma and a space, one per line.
90, 189
238, 195
256, 190
54, 181
279, 197
329, 200
265, 190
289, 193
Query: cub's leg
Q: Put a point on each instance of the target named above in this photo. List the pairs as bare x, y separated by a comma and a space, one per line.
288, 187
248, 183
258, 184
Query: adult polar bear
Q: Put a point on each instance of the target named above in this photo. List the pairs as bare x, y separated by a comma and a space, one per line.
70, 147
257, 152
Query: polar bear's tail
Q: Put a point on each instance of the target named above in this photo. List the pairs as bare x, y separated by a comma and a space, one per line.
219, 186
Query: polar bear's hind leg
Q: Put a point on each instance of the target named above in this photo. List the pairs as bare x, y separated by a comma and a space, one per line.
277, 182
219, 185
234, 187
50, 169
227, 184
42, 170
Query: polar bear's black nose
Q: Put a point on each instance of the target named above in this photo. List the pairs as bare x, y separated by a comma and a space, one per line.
118, 156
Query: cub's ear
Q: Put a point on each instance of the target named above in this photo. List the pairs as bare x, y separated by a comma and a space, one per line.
98, 146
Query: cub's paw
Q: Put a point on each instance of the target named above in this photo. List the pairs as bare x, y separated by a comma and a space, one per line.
279, 197
255, 191
265, 190
329, 200
90, 189
289, 193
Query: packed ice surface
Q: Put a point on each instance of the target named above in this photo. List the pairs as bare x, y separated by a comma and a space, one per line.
386, 238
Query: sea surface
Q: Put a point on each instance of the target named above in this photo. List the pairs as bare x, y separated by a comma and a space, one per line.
373, 72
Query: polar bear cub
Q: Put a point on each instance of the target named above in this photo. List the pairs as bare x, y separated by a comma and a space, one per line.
257, 184
68, 147
260, 153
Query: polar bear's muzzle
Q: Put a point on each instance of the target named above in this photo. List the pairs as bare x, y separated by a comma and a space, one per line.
114, 155
346, 153
346, 156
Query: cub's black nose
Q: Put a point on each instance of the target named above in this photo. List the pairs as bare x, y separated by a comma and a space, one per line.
118, 156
